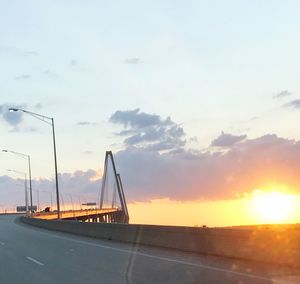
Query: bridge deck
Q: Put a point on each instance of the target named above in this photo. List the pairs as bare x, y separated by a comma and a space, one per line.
73, 214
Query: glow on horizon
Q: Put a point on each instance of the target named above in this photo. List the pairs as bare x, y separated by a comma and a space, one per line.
257, 208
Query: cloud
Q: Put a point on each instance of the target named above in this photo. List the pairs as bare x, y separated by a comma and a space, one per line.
38, 106
227, 140
282, 94
86, 123
30, 53
186, 176
28, 129
193, 139
74, 62
183, 174
14, 51
148, 131
81, 182
84, 186
23, 77
135, 118
12, 118
133, 60
50, 74
293, 104
15, 119
88, 152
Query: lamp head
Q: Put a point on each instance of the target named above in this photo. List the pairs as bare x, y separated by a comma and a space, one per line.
4, 151
13, 109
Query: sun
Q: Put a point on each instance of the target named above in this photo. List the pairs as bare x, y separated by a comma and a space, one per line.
273, 206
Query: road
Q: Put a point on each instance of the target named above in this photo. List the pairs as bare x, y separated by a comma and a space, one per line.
72, 213
34, 255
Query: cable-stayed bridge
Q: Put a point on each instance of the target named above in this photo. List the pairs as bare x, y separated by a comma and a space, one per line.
112, 203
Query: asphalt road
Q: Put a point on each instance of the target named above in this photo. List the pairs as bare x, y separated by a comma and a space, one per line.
33, 255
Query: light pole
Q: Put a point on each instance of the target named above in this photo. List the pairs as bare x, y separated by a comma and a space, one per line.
46, 119
25, 156
38, 200
25, 185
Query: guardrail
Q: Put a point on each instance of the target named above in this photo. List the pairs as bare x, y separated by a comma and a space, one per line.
272, 246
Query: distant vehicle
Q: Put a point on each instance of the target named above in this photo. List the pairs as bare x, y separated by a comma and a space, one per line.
47, 209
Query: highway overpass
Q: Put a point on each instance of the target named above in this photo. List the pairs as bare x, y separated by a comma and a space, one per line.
33, 255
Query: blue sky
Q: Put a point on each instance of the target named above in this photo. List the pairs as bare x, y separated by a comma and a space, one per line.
210, 66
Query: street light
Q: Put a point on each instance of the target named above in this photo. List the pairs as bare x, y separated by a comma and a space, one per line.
46, 119
25, 183
25, 156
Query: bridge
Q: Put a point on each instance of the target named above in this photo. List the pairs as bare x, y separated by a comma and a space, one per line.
109, 215
112, 194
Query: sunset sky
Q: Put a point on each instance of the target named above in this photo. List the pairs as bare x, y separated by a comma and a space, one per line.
198, 100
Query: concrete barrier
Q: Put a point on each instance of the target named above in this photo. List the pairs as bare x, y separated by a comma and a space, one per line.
265, 245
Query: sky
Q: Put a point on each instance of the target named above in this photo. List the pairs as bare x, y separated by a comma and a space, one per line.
198, 100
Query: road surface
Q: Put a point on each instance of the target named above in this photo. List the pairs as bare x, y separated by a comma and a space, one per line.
33, 255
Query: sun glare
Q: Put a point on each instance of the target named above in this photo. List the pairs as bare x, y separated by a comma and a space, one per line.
273, 206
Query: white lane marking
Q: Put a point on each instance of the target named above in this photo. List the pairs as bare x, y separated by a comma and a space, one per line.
2, 244
174, 260
34, 260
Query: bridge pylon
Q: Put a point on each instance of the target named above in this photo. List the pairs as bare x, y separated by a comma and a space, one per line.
112, 178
